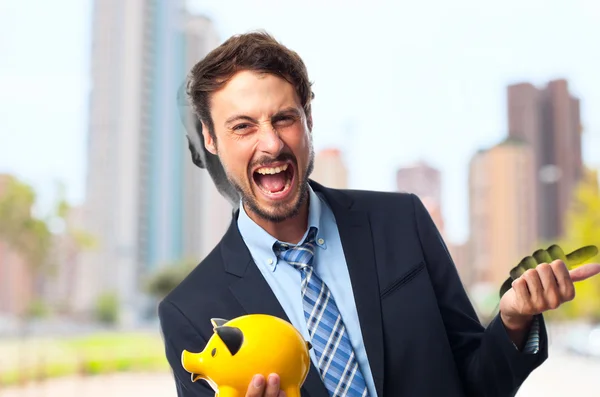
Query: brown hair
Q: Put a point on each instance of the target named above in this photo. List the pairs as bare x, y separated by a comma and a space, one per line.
256, 51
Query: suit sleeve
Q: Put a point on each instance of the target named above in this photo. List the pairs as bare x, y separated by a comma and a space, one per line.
487, 360
178, 335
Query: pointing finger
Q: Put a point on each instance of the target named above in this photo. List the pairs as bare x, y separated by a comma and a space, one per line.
584, 272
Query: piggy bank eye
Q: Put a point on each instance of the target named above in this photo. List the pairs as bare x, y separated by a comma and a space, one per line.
213, 352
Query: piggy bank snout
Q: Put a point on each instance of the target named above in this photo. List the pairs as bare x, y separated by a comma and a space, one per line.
194, 364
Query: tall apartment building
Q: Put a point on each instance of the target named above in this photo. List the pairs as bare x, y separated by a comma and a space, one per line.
502, 209
426, 182
138, 176
549, 120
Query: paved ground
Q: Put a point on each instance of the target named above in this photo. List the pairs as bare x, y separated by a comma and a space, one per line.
116, 385
561, 376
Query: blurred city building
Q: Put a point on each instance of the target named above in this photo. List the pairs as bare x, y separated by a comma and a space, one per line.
461, 259
207, 212
16, 277
63, 284
502, 209
426, 182
330, 169
142, 203
549, 120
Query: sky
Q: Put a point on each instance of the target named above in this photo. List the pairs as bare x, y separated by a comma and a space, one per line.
395, 81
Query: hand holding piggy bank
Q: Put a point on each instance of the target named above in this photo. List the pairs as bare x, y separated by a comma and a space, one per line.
247, 346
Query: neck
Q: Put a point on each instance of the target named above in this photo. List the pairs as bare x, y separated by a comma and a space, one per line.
290, 230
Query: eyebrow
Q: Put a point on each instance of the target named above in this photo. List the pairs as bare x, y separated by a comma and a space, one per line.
279, 114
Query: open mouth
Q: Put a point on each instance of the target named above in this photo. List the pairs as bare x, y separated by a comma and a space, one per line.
274, 181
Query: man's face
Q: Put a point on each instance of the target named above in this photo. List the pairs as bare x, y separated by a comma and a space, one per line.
263, 142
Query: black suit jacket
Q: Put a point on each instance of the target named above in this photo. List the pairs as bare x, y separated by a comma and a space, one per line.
421, 333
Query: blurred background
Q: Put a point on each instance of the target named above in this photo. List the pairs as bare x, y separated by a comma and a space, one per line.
489, 111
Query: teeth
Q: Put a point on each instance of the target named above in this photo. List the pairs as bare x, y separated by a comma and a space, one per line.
274, 170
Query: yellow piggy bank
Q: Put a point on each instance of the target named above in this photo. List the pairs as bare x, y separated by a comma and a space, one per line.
246, 346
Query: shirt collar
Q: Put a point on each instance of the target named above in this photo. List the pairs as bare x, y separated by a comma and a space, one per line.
260, 243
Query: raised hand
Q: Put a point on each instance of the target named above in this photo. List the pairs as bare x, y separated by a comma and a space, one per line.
554, 252
544, 286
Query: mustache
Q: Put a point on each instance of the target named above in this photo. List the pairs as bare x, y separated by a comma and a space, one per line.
263, 161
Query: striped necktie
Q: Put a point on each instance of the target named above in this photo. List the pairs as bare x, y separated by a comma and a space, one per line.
336, 360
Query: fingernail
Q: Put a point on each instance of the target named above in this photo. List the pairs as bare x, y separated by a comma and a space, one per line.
273, 380
257, 381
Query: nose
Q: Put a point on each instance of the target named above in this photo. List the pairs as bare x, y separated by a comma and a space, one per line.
193, 362
269, 141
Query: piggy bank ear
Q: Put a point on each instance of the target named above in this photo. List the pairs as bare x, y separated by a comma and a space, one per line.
217, 322
232, 337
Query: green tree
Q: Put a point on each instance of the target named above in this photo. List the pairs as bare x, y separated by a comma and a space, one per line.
162, 281
582, 229
107, 308
30, 235
21, 230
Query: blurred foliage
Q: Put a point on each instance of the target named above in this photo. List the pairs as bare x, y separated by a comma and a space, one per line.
80, 238
162, 281
31, 236
90, 355
37, 308
107, 308
25, 233
583, 228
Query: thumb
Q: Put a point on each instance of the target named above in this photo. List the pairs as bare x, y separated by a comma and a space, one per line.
584, 272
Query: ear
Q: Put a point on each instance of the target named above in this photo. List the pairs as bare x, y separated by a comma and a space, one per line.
217, 322
209, 142
232, 337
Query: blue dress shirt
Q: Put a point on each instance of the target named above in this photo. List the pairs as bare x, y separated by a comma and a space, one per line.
329, 263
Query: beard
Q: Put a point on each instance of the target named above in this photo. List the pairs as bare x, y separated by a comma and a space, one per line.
277, 212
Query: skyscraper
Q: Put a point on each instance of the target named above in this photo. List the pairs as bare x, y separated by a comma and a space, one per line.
426, 182
502, 209
207, 213
330, 169
549, 120
138, 161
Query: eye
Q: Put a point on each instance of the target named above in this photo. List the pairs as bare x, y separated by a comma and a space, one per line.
285, 121
241, 127
213, 352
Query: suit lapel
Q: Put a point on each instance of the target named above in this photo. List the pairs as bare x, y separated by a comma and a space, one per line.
355, 233
255, 295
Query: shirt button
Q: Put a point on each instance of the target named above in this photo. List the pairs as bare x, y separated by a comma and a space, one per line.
270, 261
321, 241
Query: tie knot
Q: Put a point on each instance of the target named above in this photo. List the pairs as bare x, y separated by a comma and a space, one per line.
300, 255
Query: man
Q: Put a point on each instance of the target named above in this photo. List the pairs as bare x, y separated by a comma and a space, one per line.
364, 276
